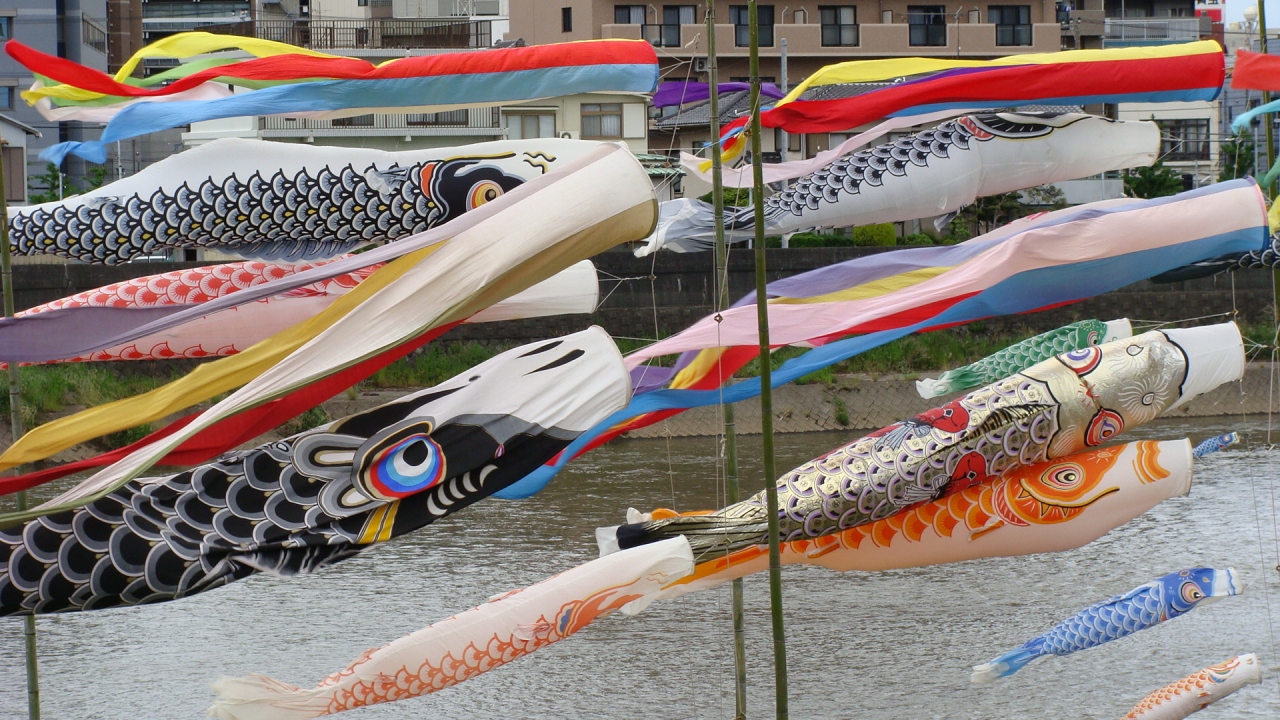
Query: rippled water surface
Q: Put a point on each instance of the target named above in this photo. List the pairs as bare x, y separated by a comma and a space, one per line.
888, 645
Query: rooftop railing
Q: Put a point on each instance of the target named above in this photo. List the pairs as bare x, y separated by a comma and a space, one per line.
382, 33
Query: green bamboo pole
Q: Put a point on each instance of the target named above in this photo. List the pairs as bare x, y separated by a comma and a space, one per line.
766, 387
722, 302
15, 424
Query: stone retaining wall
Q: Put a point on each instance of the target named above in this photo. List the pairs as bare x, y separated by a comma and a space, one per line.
860, 402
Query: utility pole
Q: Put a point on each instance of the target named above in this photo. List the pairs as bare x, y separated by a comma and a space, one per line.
15, 425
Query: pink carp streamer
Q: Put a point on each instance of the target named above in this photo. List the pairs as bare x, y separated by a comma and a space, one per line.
1199, 690
471, 643
232, 330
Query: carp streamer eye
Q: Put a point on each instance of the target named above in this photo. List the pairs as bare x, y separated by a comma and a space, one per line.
1104, 426
1082, 361
1191, 592
483, 192
414, 463
1064, 478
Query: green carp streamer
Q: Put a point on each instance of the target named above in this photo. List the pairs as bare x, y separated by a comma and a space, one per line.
1022, 355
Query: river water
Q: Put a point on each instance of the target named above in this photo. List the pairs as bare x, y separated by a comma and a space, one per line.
885, 645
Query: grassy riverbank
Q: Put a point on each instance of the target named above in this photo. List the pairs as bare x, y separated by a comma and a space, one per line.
54, 390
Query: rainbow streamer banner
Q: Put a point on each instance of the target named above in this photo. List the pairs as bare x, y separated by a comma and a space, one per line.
1032, 264
293, 81
846, 95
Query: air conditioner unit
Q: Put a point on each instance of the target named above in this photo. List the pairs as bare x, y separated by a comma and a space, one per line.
699, 64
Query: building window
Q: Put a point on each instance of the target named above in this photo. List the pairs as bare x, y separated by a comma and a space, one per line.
1013, 23
628, 14
6, 97
1186, 140
928, 24
362, 3
839, 25
673, 16
453, 118
566, 19
741, 20
602, 121
5, 30
357, 121
526, 126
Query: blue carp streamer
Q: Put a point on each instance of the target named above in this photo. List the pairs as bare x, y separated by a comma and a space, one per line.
1145, 606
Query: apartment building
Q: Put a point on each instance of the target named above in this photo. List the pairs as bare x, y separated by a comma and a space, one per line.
1190, 131
73, 29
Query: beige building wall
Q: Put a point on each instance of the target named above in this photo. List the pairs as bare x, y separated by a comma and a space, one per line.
568, 115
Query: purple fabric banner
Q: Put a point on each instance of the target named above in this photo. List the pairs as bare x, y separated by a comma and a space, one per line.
684, 91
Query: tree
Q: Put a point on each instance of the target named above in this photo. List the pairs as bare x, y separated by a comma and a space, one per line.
987, 213
53, 185
1237, 158
1152, 182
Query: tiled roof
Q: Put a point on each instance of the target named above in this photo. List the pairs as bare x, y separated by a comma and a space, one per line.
733, 105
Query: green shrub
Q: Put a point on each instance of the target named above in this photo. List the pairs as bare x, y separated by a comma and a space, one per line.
874, 235
918, 239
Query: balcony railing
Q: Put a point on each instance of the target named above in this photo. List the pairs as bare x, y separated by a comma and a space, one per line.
455, 121
1151, 30
389, 33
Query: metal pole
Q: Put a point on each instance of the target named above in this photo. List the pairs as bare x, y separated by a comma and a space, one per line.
722, 302
766, 387
15, 424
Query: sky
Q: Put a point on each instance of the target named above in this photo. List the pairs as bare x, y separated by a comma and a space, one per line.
1235, 11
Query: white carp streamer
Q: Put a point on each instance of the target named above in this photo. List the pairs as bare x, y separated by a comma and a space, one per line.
470, 643
1199, 690
931, 173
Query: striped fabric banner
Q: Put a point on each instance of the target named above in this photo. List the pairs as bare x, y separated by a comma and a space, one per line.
310, 82
843, 96
1030, 265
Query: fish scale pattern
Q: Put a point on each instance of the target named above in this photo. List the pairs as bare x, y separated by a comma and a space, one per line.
190, 532
848, 173
283, 216
1106, 621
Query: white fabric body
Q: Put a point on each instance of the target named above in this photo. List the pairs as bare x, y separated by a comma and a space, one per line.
589, 381
240, 157
470, 643
1215, 355
740, 177
1196, 692
1117, 330
530, 234
1073, 146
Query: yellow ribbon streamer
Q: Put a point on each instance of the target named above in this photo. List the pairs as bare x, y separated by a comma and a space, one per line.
200, 384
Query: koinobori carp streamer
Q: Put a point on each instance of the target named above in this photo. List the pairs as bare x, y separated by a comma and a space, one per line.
1073, 401
299, 504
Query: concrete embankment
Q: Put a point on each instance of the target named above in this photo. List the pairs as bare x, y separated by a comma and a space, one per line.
861, 402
